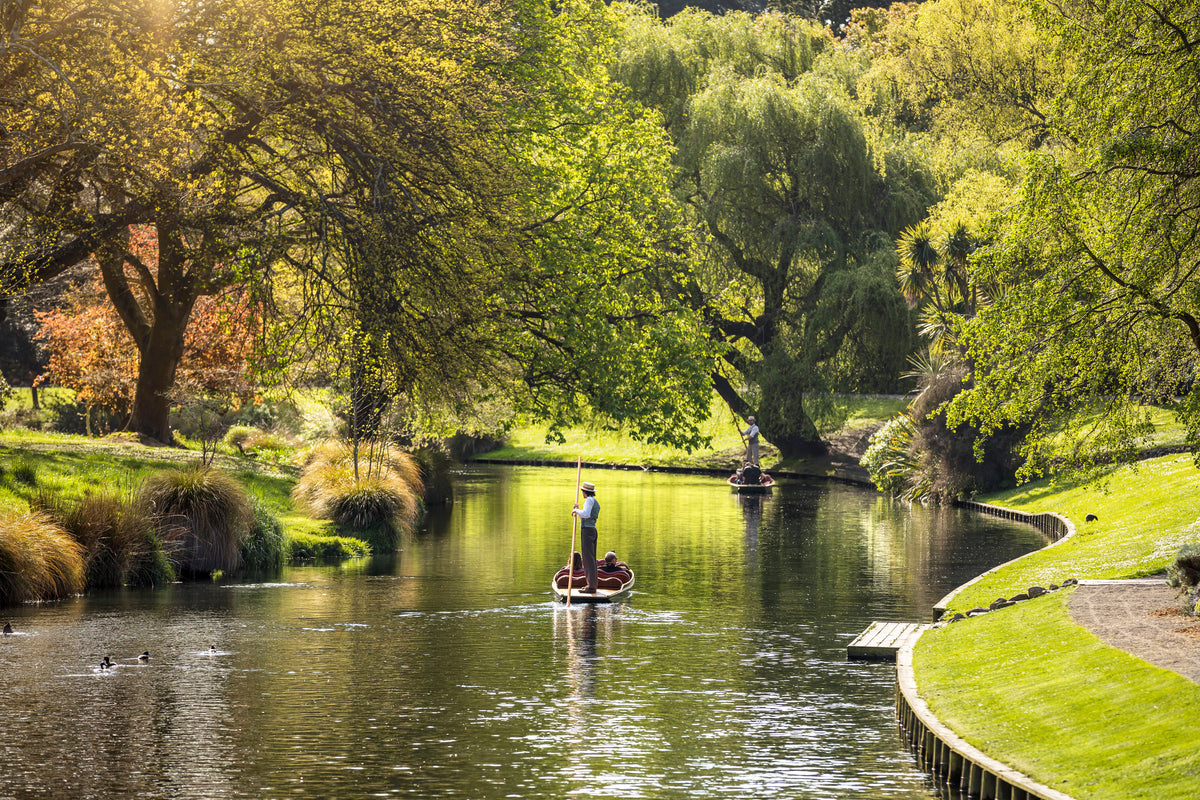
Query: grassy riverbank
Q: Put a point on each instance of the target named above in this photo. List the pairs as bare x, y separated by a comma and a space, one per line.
1029, 687
856, 417
69, 467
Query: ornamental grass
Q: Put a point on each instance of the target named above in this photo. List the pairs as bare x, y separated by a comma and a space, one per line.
264, 549
378, 504
38, 560
119, 539
202, 516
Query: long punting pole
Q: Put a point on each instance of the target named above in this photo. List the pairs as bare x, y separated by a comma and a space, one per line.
574, 527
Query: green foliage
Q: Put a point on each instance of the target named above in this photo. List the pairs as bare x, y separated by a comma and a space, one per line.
1184, 575
966, 69
202, 516
315, 547
435, 466
889, 458
792, 214
265, 545
118, 536
1099, 299
38, 561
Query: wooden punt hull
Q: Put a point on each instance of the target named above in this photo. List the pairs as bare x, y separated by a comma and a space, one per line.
601, 595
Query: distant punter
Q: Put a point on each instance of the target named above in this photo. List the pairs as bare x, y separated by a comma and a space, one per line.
751, 437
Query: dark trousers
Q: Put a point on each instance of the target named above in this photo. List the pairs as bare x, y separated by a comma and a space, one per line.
589, 554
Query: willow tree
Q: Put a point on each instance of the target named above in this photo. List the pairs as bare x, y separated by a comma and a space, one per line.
795, 275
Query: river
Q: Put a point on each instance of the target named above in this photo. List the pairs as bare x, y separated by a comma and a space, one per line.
447, 671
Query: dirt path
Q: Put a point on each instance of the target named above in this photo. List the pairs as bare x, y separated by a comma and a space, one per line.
1143, 618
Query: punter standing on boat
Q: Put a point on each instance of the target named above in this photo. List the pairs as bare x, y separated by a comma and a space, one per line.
587, 528
751, 437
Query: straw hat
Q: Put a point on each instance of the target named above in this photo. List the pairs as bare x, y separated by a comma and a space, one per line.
588, 487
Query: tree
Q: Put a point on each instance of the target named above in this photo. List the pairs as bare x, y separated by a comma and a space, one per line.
966, 68
1101, 256
368, 161
89, 349
795, 275
556, 301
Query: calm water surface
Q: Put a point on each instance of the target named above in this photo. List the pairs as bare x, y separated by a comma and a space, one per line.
448, 672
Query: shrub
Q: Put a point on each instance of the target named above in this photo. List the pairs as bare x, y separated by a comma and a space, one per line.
202, 516
118, 537
313, 547
379, 504
889, 459
1184, 575
265, 546
38, 561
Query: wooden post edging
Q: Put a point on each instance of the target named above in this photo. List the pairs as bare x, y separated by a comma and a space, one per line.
1056, 526
942, 753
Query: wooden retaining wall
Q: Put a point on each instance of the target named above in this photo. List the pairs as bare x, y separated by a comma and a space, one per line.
945, 756
1055, 527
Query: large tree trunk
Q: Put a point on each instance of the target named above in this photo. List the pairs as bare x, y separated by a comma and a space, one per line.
160, 357
158, 328
782, 421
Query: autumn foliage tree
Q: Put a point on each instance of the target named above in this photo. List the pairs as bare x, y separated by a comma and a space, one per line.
90, 350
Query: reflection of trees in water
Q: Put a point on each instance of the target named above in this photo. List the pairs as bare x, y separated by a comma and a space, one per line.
822, 542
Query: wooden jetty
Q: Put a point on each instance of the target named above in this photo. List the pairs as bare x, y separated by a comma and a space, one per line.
882, 640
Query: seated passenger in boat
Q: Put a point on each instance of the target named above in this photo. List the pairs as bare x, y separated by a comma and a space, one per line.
751, 474
610, 563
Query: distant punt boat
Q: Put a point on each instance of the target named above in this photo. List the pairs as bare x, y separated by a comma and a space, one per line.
608, 585
765, 484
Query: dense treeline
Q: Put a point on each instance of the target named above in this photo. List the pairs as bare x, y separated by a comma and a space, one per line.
460, 212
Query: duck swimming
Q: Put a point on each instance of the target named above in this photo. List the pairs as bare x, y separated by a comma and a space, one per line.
106, 664
8, 629
145, 656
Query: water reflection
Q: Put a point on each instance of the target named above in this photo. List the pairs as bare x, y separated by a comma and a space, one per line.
447, 671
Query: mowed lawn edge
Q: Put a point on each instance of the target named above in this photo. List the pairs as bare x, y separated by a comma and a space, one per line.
1029, 687
1032, 689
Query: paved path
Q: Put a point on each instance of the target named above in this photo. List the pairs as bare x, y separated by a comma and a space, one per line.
1143, 618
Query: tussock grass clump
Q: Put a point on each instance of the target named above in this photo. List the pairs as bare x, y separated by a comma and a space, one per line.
202, 516
38, 560
381, 503
1184, 575
118, 536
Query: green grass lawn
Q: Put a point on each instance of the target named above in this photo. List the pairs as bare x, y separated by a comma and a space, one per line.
1028, 686
72, 466
1145, 512
1032, 689
528, 442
